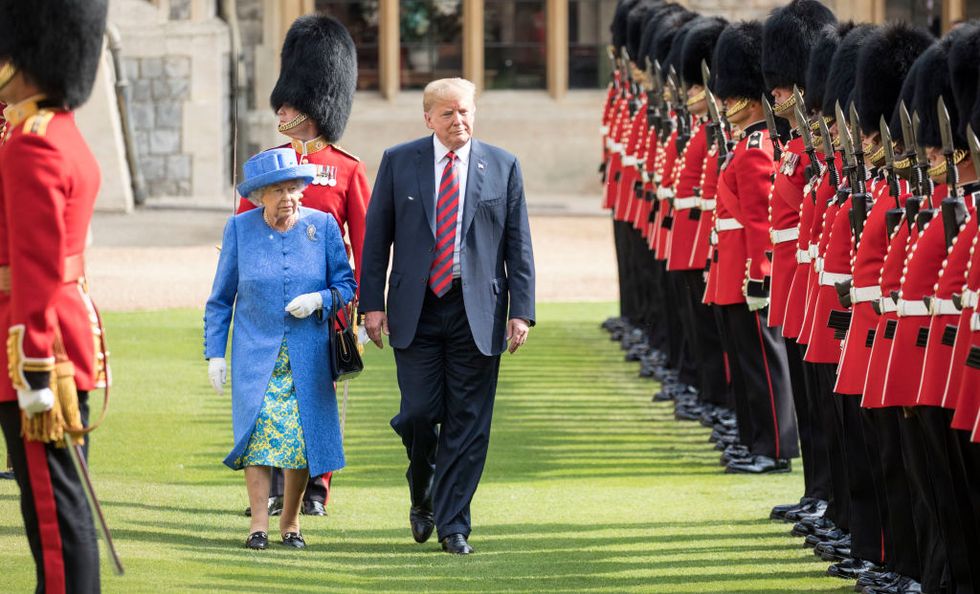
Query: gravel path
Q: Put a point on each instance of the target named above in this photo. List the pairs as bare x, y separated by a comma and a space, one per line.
159, 259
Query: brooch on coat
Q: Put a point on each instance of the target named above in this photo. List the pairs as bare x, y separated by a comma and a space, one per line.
311, 233
326, 175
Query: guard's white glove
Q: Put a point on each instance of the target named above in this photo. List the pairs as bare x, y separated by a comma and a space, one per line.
33, 402
756, 303
217, 373
304, 305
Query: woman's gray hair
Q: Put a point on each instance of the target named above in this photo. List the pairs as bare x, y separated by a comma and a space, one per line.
255, 196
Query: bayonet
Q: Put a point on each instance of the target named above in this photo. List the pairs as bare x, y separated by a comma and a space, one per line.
828, 152
777, 149
860, 199
921, 162
886, 142
946, 133
974, 143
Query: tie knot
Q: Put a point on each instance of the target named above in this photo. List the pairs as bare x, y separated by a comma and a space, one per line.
451, 156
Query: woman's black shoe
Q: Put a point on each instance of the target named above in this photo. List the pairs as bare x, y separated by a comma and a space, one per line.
257, 540
293, 539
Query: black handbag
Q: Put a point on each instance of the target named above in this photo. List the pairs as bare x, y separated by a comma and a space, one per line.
345, 358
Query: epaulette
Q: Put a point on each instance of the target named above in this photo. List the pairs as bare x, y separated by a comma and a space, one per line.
344, 152
37, 124
755, 140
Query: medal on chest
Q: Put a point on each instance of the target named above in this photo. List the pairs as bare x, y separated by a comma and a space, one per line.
789, 163
326, 175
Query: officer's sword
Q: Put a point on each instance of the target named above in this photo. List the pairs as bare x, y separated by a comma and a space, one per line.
74, 451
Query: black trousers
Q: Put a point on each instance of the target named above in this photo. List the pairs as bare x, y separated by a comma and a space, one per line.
825, 409
447, 393
761, 356
682, 328
894, 497
866, 516
654, 301
317, 488
816, 471
736, 382
704, 340
620, 240
56, 514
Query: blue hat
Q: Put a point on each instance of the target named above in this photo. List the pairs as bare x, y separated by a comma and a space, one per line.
271, 167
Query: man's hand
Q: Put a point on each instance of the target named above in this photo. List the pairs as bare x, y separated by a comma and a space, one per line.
517, 330
304, 305
33, 402
756, 303
376, 324
217, 373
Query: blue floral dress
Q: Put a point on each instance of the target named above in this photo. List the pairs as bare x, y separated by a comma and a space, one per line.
277, 439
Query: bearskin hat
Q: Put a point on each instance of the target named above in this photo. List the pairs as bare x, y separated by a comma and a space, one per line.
57, 44
907, 96
932, 80
617, 28
789, 34
882, 65
656, 18
318, 75
963, 71
699, 44
843, 69
821, 59
667, 32
676, 54
634, 27
736, 67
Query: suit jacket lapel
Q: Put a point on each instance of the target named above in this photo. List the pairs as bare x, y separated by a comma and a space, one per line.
427, 183
475, 173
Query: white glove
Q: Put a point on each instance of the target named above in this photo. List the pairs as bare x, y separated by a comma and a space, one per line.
33, 402
756, 303
304, 305
217, 373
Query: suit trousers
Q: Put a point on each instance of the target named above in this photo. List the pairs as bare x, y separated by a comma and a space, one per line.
704, 340
56, 514
816, 471
866, 516
447, 393
761, 356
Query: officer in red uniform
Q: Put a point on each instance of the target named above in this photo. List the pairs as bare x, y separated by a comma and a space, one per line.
313, 98
788, 37
742, 226
49, 54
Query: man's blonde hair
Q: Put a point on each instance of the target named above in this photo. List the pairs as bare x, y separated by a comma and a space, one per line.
447, 88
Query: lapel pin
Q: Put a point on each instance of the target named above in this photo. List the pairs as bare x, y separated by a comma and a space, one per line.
411, 197
311, 233
480, 165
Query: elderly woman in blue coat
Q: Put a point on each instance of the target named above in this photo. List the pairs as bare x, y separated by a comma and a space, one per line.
277, 267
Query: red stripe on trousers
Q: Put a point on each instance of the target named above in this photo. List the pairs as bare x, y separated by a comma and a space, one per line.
772, 397
47, 516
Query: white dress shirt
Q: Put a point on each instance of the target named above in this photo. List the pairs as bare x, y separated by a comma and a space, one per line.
462, 164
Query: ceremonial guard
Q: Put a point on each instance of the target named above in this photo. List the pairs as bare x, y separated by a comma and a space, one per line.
49, 55
742, 226
313, 99
789, 35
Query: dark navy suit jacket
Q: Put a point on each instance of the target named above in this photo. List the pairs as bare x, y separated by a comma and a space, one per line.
496, 259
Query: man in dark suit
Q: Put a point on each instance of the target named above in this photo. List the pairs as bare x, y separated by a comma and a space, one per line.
454, 209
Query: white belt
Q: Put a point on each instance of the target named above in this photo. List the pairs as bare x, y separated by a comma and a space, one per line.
863, 294
657, 178
707, 204
829, 279
911, 308
727, 225
887, 305
814, 250
942, 307
645, 177
629, 161
803, 257
975, 322
817, 262
616, 147
665, 193
784, 235
686, 203
969, 298
603, 130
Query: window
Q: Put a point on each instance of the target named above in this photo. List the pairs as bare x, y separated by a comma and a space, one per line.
514, 48
361, 19
924, 13
588, 36
431, 41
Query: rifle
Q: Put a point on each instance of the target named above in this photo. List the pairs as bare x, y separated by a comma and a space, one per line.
953, 209
716, 131
777, 148
634, 102
828, 152
889, 146
813, 168
680, 110
860, 198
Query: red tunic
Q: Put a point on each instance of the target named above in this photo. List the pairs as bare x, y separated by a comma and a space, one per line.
796, 300
709, 195
626, 199
614, 166
784, 220
825, 194
836, 249
660, 233
743, 195
346, 200
963, 395
687, 215
48, 184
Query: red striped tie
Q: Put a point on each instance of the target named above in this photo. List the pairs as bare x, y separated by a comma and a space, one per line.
447, 207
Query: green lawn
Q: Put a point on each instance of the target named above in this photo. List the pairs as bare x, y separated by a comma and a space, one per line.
588, 488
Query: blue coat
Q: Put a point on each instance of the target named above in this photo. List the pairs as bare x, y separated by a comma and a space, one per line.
260, 271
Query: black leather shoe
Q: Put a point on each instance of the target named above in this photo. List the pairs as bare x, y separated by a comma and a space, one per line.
815, 508
779, 512
904, 585
7, 475
834, 537
876, 579
807, 526
833, 554
422, 523
313, 508
663, 396
850, 569
759, 465
294, 540
275, 506
455, 544
257, 540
